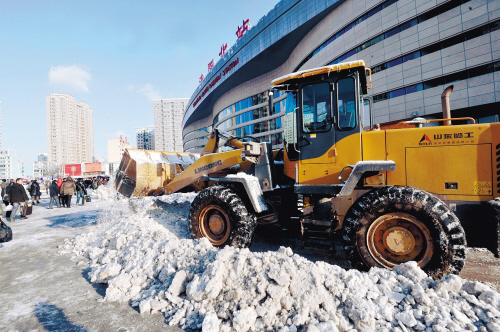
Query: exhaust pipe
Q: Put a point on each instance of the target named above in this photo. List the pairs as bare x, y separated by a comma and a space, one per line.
445, 104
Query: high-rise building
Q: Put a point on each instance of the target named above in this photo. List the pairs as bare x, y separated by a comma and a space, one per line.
168, 124
11, 165
70, 129
116, 148
145, 137
43, 157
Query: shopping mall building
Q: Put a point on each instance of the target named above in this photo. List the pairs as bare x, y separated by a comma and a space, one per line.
415, 48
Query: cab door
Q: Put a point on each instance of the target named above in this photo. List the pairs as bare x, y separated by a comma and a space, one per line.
348, 99
316, 135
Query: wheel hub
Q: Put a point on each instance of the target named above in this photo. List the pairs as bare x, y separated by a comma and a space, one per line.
397, 237
216, 224
399, 240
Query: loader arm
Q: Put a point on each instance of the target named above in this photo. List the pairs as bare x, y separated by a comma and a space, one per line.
213, 142
205, 165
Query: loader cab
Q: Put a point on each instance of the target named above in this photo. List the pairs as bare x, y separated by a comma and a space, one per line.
324, 115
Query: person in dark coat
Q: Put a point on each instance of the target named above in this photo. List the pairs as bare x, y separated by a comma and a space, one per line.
6, 198
35, 192
3, 186
68, 189
17, 195
61, 198
81, 192
54, 194
4, 191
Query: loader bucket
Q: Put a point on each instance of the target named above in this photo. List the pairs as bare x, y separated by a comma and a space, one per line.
144, 172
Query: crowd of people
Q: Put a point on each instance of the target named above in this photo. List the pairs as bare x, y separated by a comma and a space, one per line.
15, 195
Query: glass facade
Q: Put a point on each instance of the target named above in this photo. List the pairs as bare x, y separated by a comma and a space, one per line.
252, 116
402, 27
441, 45
249, 110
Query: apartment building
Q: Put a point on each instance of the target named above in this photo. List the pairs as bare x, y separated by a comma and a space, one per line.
43, 157
70, 129
116, 148
145, 137
41, 169
11, 165
168, 124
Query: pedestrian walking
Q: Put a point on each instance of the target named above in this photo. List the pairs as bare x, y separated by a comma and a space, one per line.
35, 193
47, 184
6, 198
54, 195
81, 192
4, 189
68, 189
17, 196
95, 183
3, 186
59, 184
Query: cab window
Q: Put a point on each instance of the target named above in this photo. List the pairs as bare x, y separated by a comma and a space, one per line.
346, 103
316, 107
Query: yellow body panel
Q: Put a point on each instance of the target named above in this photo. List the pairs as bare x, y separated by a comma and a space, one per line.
326, 168
427, 157
429, 168
374, 145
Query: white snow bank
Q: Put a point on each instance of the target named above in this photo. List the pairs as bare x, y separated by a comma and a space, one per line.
144, 254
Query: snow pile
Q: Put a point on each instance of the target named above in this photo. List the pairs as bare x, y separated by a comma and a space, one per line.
141, 249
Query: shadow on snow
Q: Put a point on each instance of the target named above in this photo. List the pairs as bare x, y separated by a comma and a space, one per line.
78, 219
53, 318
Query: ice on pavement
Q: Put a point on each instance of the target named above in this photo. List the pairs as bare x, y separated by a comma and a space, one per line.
141, 248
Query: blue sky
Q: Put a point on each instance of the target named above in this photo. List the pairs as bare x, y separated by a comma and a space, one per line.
115, 55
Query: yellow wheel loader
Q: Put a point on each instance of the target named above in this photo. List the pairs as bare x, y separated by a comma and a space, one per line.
392, 195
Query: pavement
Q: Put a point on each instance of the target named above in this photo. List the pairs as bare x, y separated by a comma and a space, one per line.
43, 291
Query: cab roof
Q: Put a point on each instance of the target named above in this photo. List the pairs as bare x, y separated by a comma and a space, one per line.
358, 65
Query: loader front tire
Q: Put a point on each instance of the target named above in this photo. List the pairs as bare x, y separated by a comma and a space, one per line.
394, 224
220, 215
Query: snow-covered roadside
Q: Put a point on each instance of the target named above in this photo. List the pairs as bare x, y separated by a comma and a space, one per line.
141, 248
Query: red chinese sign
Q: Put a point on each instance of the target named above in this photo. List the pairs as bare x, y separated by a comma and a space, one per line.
92, 167
73, 170
241, 30
223, 49
211, 65
202, 77
216, 79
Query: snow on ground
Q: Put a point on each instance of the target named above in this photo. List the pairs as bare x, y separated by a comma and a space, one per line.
141, 248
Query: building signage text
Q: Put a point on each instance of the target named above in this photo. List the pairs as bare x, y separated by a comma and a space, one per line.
215, 80
223, 50
241, 30
442, 139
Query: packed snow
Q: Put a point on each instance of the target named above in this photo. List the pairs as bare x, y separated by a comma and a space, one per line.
142, 249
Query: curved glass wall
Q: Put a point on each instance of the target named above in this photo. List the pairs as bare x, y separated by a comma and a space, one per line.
402, 27
251, 115
447, 79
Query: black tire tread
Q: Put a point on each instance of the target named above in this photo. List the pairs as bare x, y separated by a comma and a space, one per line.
243, 222
449, 252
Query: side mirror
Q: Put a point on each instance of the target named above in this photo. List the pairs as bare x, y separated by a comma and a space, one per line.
270, 101
367, 113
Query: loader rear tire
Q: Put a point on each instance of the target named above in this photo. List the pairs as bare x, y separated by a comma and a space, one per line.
395, 224
220, 215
